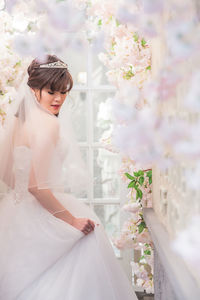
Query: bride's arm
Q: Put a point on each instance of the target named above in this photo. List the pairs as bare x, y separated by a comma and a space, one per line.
49, 202
43, 150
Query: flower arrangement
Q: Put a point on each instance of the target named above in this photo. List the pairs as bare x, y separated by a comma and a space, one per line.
127, 56
128, 59
134, 233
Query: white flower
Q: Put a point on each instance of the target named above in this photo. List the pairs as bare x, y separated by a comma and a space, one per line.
132, 207
144, 237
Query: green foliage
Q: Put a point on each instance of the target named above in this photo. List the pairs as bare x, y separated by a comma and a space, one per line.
129, 74
137, 181
139, 194
148, 68
149, 175
99, 22
142, 257
129, 176
132, 184
136, 37
117, 22
139, 173
147, 252
141, 227
141, 180
143, 42
18, 64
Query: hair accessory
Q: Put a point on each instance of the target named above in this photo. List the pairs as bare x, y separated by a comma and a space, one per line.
56, 64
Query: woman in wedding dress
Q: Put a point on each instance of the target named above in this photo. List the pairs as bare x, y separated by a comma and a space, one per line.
53, 246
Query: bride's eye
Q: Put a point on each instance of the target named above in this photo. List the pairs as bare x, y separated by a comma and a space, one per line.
64, 92
51, 93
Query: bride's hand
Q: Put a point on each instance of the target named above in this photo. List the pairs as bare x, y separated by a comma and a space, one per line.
83, 224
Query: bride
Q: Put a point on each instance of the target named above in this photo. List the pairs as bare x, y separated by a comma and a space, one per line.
53, 246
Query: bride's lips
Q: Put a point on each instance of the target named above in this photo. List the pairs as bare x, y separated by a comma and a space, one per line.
55, 106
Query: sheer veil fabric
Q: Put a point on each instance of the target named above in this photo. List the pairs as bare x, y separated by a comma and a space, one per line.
31, 125
41, 256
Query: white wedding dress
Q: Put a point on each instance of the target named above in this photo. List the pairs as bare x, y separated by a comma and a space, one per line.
45, 258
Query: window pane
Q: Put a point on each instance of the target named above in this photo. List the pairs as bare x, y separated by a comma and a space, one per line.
110, 218
106, 178
84, 153
102, 114
78, 104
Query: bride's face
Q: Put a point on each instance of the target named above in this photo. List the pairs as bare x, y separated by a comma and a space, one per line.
52, 101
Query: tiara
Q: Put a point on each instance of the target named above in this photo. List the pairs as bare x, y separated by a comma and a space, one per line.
56, 64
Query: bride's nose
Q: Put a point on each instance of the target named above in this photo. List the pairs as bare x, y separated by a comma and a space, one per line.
57, 97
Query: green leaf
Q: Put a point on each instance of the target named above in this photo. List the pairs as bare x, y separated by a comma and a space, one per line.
148, 68
136, 37
18, 63
149, 173
141, 172
128, 75
142, 257
99, 22
141, 227
143, 42
141, 180
131, 184
129, 176
140, 194
147, 252
136, 174
117, 23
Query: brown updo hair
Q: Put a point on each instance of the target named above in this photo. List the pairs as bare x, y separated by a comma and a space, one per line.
54, 79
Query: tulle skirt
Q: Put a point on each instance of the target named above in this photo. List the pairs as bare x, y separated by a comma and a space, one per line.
45, 258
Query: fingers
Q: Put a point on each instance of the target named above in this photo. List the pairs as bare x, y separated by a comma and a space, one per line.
91, 223
89, 226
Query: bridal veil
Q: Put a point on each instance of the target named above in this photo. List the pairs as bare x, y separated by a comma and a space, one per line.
56, 160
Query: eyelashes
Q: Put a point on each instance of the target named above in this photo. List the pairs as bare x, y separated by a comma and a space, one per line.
52, 93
